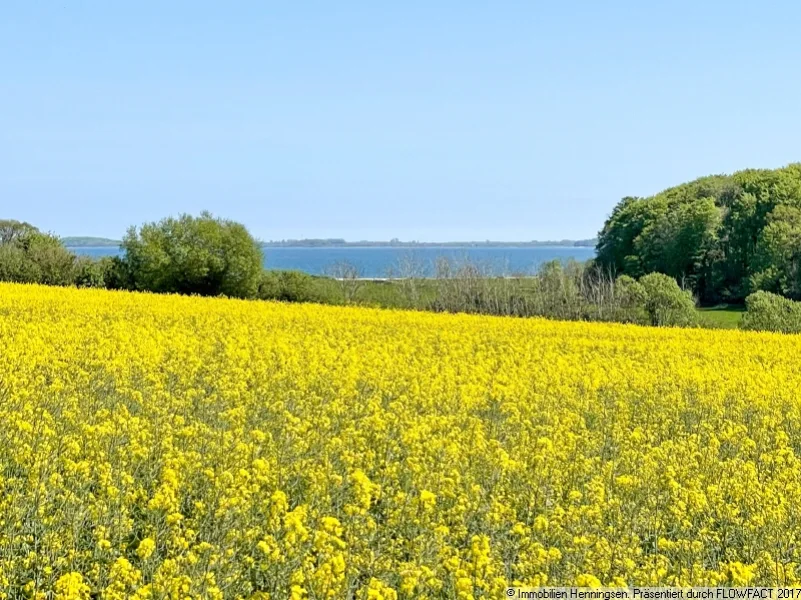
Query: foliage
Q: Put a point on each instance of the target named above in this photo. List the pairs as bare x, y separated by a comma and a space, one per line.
665, 302
166, 446
289, 286
116, 273
777, 256
770, 312
110, 272
193, 255
630, 297
89, 273
28, 255
571, 291
722, 236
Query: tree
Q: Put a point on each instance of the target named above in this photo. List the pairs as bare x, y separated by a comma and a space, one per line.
193, 255
720, 235
28, 255
15, 232
616, 239
777, 253
679, 241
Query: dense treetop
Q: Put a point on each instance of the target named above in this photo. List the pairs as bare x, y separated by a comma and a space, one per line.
193, 255
724, 236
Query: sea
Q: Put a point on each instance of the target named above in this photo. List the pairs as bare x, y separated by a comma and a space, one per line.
387, 261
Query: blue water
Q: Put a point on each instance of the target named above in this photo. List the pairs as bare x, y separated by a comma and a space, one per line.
387, 261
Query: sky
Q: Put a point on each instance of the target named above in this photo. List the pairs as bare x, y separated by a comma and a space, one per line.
429, 121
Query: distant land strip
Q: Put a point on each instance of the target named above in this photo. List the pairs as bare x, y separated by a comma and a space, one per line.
340, 243
87, 241
84, 241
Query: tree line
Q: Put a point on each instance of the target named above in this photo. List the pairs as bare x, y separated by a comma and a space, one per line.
201, 255
210, 256
723, 236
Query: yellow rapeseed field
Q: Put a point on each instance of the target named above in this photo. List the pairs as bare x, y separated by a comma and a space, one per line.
174, 447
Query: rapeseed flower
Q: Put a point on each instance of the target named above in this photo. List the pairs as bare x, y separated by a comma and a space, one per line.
175, 447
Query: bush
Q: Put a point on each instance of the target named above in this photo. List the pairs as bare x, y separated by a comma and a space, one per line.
628, 302
28, 255
116, 274
108, 272
289, 286
559, 290
193, 255
769, 312
89, 273
665, 302
567, 291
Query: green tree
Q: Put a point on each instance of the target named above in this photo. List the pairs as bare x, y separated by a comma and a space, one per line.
193, 255
615, 246
28, 255
665, 302
680, 239
720, 235
777, 254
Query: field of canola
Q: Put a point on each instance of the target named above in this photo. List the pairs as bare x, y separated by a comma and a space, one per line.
174, 447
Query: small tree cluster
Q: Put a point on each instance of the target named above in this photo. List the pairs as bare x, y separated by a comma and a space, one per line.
187, 255
571, 291
28, 255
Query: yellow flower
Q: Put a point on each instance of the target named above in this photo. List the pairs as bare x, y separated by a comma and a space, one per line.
71, 587
145, 548
269, 445
587, 580
428, 499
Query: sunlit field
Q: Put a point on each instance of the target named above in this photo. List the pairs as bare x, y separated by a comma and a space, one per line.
173, 447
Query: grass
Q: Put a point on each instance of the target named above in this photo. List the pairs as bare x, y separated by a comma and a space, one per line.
723, 316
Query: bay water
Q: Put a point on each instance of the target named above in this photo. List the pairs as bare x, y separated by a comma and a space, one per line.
388, 261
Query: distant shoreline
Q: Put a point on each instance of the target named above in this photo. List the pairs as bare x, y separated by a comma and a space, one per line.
89, 242
398, 244
86, 242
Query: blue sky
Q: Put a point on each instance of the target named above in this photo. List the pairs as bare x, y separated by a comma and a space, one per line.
370, 120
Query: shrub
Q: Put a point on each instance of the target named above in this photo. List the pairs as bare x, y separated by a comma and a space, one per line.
28, 255
116, 273
559, 290
193, 255
665, 302
107, 272
15, 265
769, 312
89, 273
628, 302
289, 286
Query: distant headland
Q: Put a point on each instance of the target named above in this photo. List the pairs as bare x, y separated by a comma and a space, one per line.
86, 241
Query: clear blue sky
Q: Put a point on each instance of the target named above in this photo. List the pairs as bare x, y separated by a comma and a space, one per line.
423, 120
